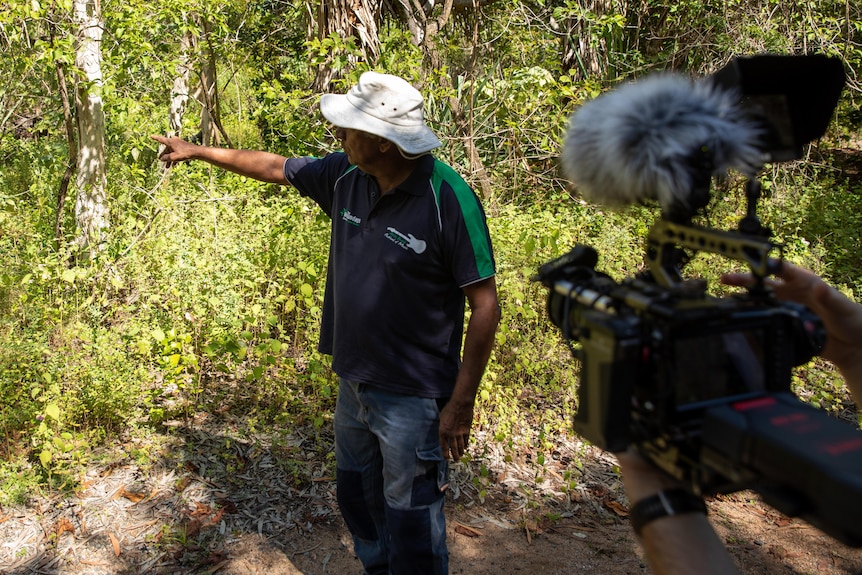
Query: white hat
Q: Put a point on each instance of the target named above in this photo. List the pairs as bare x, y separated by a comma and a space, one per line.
383, 105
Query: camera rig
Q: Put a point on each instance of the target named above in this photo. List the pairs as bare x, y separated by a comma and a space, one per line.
700, 384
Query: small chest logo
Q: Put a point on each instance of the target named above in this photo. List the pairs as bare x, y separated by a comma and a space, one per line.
406, 241
350, 218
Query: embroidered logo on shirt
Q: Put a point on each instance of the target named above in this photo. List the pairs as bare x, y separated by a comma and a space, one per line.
406, 242
350, 218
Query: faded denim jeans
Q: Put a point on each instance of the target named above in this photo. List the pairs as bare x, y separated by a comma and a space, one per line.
391, 480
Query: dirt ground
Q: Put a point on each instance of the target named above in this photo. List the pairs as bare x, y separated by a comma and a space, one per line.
211, 497
482, 545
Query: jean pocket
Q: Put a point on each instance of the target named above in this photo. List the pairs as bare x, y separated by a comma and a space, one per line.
432, 476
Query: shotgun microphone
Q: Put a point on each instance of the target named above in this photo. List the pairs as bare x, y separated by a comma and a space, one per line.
660, 138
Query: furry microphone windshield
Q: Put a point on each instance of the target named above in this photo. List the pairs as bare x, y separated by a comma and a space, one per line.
661, 138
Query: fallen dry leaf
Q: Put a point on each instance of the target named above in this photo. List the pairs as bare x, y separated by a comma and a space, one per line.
116, 543
132, 496
466, 530
201, 510
64, 525
217, 517
617, 508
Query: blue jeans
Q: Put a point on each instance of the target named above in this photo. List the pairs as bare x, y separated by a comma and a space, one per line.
391, 480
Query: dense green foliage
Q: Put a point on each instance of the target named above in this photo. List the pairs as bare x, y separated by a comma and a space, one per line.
207, 295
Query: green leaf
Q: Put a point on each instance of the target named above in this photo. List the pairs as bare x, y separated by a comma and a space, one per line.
143, 347
69, 276
52, 410
158, 335
45, 457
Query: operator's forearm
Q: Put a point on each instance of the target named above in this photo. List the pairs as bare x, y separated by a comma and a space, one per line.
259, 165
842, 318
680, 544
685, 544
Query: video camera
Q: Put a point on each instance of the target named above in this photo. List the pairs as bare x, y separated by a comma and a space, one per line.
701, 384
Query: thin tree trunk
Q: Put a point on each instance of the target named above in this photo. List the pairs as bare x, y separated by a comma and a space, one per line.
91, 208
207, 93
463, 122
584, 53
69, 122
180, 88
345, 19
179, 93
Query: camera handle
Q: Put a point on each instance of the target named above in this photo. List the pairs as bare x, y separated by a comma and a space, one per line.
750, 225
665, 236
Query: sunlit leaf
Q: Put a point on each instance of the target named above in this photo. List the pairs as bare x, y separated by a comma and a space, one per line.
52, 410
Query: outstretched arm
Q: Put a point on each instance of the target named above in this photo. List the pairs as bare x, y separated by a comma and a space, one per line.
259, 165
456, 419
674, 545
841, 316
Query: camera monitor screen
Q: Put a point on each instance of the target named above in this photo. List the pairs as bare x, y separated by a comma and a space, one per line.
718, 365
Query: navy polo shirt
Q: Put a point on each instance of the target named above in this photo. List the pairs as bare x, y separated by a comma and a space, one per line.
393, 312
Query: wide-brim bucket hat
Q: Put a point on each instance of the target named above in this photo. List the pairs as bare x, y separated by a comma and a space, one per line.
386, 106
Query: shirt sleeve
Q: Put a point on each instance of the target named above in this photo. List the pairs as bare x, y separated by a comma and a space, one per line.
315, 178
465, 232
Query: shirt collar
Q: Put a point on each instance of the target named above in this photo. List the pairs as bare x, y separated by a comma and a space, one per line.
416, 183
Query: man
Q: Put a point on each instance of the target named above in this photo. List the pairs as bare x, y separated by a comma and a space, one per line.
409, 243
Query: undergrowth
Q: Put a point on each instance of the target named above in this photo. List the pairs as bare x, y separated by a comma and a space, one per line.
207, 299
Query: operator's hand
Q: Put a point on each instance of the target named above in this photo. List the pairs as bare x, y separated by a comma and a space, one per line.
841, 316
456, 420
175, 150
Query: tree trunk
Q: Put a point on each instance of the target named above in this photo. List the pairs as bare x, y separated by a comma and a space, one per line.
207, 93
463, 121
345, 19
413, 17
71, 141
69, 122
584, 50
180, 88
179, 92
414, 13
91, 208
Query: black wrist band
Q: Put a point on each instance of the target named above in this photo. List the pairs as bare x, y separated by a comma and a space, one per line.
664, 504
